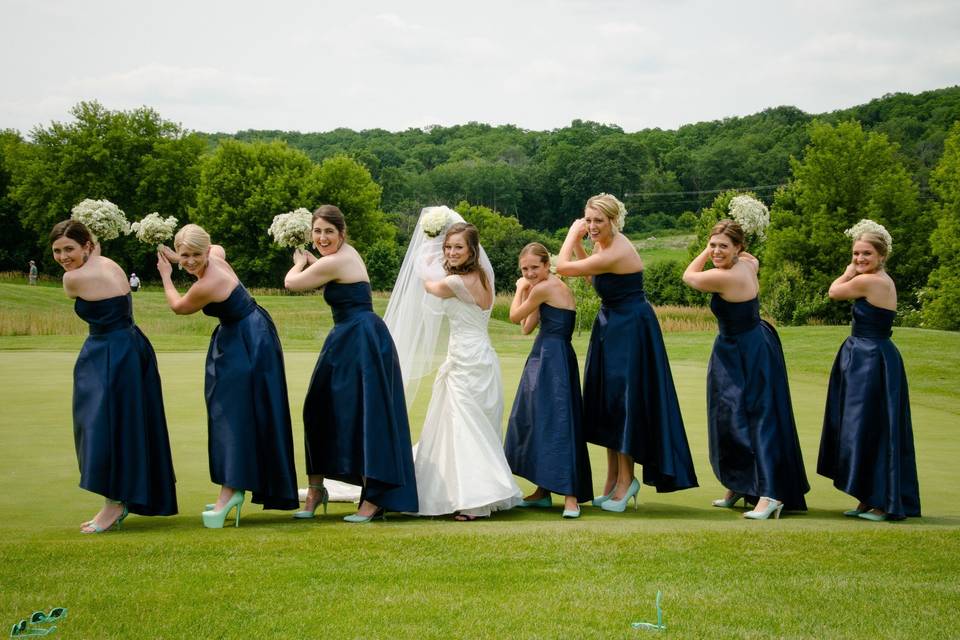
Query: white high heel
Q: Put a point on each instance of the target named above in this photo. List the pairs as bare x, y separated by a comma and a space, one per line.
773, 506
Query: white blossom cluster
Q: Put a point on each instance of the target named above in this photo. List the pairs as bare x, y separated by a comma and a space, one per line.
153, 229
752, 216
435, 221
292, 229
104, 219
869, 226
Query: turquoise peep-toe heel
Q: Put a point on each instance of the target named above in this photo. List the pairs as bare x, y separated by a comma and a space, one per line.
356, 518
306, 514
214, 519
543, 503
116, 524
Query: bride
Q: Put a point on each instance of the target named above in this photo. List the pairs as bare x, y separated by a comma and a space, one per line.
459, 462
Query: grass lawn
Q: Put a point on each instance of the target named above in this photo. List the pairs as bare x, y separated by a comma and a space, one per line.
521, 574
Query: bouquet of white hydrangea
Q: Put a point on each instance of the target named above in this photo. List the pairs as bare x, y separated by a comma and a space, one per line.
104, 219
869, 226
292, 229
434, 221
752, 216
153, 229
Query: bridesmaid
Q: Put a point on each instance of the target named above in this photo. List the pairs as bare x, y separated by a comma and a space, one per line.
629, 400
754, 448
119, 426
248, 416
544, 442
355, 415
867, 443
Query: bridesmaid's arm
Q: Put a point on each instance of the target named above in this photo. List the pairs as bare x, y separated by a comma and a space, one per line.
196, 298
851, 286
307, 274
712, 281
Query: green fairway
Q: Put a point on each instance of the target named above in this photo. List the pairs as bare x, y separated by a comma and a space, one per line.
521, 574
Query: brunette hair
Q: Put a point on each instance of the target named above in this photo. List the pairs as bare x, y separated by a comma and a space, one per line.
73, 229
731, 229
332, 214
471, 264
536, 249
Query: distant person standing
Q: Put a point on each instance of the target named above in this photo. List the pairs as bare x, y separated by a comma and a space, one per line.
134, 282
32, 278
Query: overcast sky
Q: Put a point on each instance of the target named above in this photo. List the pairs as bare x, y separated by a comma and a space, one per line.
316, 66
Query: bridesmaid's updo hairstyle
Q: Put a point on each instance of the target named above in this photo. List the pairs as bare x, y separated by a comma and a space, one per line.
877, 241
610, 207
192, 236
471, 264
332, 214
731, 229
538, 250
73, 229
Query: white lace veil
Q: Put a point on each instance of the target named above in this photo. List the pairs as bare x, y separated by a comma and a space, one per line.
415, 317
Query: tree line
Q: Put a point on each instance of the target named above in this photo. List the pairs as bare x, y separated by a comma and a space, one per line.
893, 159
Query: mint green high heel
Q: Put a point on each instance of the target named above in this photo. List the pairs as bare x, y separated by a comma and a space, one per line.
729, 502
116, 524
214, 519
599, 500
324, 499
357, 518
873, 517
571, 514
544, 503
773, 506
619, 506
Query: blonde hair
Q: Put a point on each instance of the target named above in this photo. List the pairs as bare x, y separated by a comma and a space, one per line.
609, 206
191, 236
876, 240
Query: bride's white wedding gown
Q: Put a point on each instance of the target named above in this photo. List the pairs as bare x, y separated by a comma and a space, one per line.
459, 462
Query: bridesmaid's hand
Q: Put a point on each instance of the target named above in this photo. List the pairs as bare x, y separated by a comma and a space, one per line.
578, 229
522, 285
300, 258
163, 265
168, 253
850, 271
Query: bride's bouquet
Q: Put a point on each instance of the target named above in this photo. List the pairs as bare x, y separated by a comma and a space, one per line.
869, 226
753, 217
435, 221
104, 219
153, 229
292, 229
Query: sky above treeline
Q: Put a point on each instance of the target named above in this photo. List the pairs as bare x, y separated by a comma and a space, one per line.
315, 66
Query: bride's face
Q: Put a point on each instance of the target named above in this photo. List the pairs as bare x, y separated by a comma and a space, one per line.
455, 250
533, 269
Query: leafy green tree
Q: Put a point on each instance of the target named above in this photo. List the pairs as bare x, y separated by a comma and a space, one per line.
14, 252
846, 174
132, 158
941, 298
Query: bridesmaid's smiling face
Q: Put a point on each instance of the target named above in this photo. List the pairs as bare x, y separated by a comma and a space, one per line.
193, 260
533, 269
599, 227
326, 237
69, 253
865, 257
456, 250
723, 251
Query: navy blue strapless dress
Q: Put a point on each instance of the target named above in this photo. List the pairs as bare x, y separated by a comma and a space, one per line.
249, 432
355, 415
754, 448
119, 426
544, 442
629, 401
867, 443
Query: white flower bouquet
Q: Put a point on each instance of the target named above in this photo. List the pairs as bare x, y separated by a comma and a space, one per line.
104, 219
435, 221
153, 229
292, 229
869, 226
752, 216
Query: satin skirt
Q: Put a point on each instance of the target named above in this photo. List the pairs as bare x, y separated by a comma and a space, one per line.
544, 441
355, 416
119, 426
866, 447
250, 436
754, 448
630, 402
